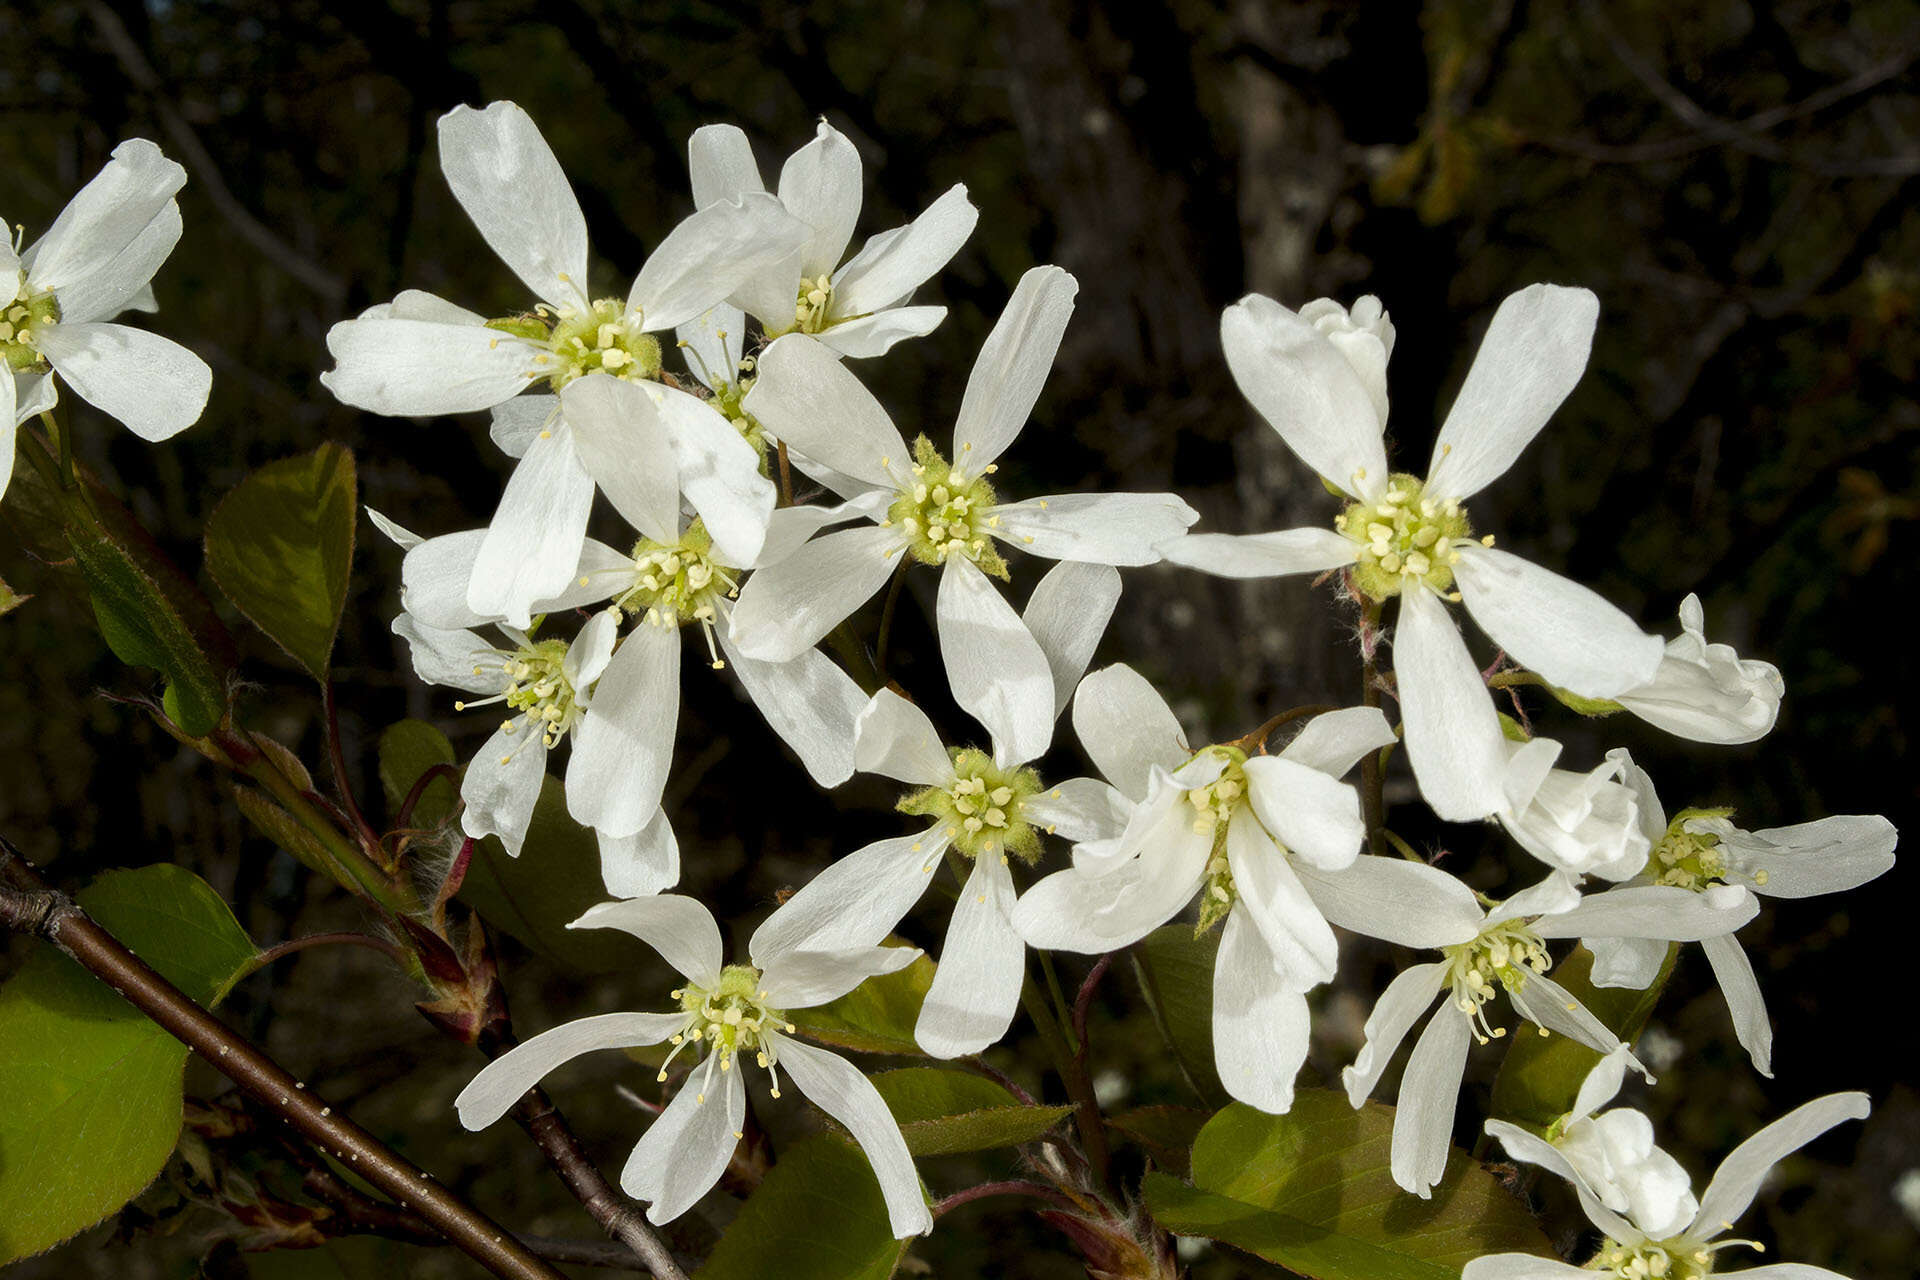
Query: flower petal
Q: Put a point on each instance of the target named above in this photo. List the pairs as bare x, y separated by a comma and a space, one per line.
1313, 815
1625, 962
894, 738
678, 927
713, 343
502, 784
1739, 1176
533, 542
1453, 734
1429, 1094
505, 176
1409, 903
1302, 945
806, 978
1534, 352
1261, 555
624, 744
995, 667
1662, 911
785, 608
1707, 692
1521, 1266
1012, 367
417, 368
1745, 1005
806, 397
875, 334
711, 254
1127, 728
1546, 1003
457, 658
622, 441
835, 1086
1554, 626
643, 863
113, 285
809, 702
721, 165
1402, 1004
855, 902
1099, 528
894, 263
504, 1081
719, 473
976, 987
1335, 741
1811, 858
105, 216
820, 184
1080, 809
153, 385
1067, 614
688, 1145
1073, 911
1260, 1025
520, 422
1305, 389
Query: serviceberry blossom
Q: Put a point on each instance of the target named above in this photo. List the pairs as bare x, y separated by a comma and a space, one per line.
1707, 692
923, 508
1581, 823
1701, 851
97, 260
737, 1013
1507, 952
1319, 379
1666, 1244
987, 808
856, 309
422, 355
1270, 844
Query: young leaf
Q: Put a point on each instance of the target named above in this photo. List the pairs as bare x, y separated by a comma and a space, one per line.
281, 545
943, 1111
1313, 1191
817, 1215
93, 1088
10, 599
1178, 968
877, 1016
1163, 1132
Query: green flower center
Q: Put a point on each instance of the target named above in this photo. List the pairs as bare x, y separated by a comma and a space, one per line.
982, 806
731, 1018
1504, 955
604, 338
1676, 1259
942, 512
537, 688
728, 401
1213, 807
1404, 535
678, 583
810, 308
20, 323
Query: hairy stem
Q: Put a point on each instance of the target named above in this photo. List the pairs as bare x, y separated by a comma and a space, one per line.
1372, 776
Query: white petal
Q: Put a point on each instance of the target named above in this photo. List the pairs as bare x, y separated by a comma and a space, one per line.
1521, 1266
996, 668
1453, 734
1782, 1271
806, 978
1260, 1026
1261, 555
1739, 1176
152, 384
456, 658
875, 334
1666, 912
505, 1080
1402, 1004
1337, 740
857, 901
710, 255
713, 342
1549, 624
34, 394
625, 742
806, 397
519, 422
894, 738
415, 368
505, 176
720, 164
622, 442
643, 863
1534, 352
1067, 614
678, 927
1551, 897
1409, 903
1429, 1093
1273, 899
837, 1088
1012, 367
418, 304
1315, 816
820, 185
719, 473
1307, 391
1100, 528
106, 215
1747, 1007
785, 608
533, 543
976, 987
1546, 1003
895, 263
788, 528
1533, 1149
1127, 728
809, 702
114, 284
502, 784
9, 426
1602, 1084
435, 573
1811, 858
1074, 911
1625, 962
1707, 692
688, 1145
1080, 809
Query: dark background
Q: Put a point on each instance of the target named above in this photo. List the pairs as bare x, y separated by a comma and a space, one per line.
1735, 181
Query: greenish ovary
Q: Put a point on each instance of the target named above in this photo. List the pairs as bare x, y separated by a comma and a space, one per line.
1404, 535
982, 806
677, 583
21, 321
943, 510
1504, 955
730, 1018
604, 338
538, 688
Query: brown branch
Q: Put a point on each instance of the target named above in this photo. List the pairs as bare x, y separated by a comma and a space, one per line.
28, 905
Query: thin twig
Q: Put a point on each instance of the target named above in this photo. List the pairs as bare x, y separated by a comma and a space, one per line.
29, 905
1011, 1187
1083, 1002
292, 945
337, 756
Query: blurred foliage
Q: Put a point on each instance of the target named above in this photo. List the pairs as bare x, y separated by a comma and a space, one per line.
1736, 180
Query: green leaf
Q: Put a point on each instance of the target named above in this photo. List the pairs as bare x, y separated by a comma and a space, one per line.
92, 1088
1312, 1191
285, 830
407, 750
1177, 968
10, 599
1541, 1075
281, 546
877, 1016
817, 1215
553, 881
943, 1111
1163, 1132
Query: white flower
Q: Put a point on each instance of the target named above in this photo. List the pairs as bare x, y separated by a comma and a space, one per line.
1669, 1246
1270, 843
95, 261
1411, 538
1707, 692
1702, 852
854, 308
421, 354
1507, 952
737, 1013
922, 507
1580, 823
987, 807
